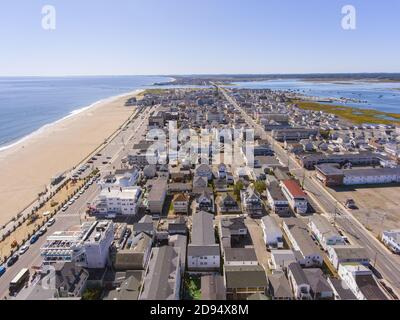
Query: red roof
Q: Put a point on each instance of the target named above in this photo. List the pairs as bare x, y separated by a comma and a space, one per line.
294, 188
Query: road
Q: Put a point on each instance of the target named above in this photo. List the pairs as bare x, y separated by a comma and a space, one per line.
116, 149
386, 263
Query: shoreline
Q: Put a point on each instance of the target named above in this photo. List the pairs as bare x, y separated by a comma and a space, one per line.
73, 113
30, 163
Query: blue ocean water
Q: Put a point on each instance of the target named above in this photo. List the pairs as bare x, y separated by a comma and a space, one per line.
29, 103
383, 96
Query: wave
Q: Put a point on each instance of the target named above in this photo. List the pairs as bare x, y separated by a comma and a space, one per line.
70, 115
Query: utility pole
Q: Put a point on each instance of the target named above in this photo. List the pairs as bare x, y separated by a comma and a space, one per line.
335, 214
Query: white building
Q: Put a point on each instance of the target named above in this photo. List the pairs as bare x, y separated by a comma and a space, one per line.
391, 239
120, 179
112, 202
295, 195
88, 245
273, 236
371, 176
203, 251
325, 233
347, 254
361, 281
296, 231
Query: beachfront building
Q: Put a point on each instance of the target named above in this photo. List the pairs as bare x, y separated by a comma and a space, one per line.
120, 179
87, 245
117, 202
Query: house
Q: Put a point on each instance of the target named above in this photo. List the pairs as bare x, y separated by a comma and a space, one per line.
347, 254
200, 182
228, 204
279, 287
68, 281
135, 253
324, 232
220, 185
156, 195
213, 287
180, 203
361, 281
205, 202
309, 254
179, 241
203, 170
340, 289
243, 281
251, 202
295, 195
177, 226
301, 288
320, 288
280, 259
162, 279
222, 171
127, 286
240, 257
145, 224
273, 237
203, 251
276, 199
231, 230
391, 239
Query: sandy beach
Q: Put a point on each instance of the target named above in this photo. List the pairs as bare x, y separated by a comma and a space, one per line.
28, 166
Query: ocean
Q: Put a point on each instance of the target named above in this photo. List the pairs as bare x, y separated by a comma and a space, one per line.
382, 96
29, 103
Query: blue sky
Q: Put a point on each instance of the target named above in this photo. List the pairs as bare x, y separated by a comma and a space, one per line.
102, 37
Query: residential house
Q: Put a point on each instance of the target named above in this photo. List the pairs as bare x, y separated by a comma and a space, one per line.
203, 251
204, 170
205, 202
227, 204
347, 254
180, 203
391, 238
162, 279
361, 281
309, 254
156, 196
213, 287
135, 253
276, 199
279, 287
243, 281
280, 259
251, 202
324, 232
295, 195
273, 237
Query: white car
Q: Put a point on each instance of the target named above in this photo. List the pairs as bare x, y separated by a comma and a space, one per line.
65, 208
81, 191
71, 201
23, 249
50, 222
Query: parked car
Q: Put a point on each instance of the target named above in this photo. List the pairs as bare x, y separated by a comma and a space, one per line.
34, 239
12, 260
64, 208
23, 249
2, 270
42, 231
50, 222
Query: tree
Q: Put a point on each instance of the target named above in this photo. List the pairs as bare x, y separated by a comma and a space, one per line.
260, 186
238, 186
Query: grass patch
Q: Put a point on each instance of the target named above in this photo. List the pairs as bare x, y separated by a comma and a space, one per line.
192, 287
355, 115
